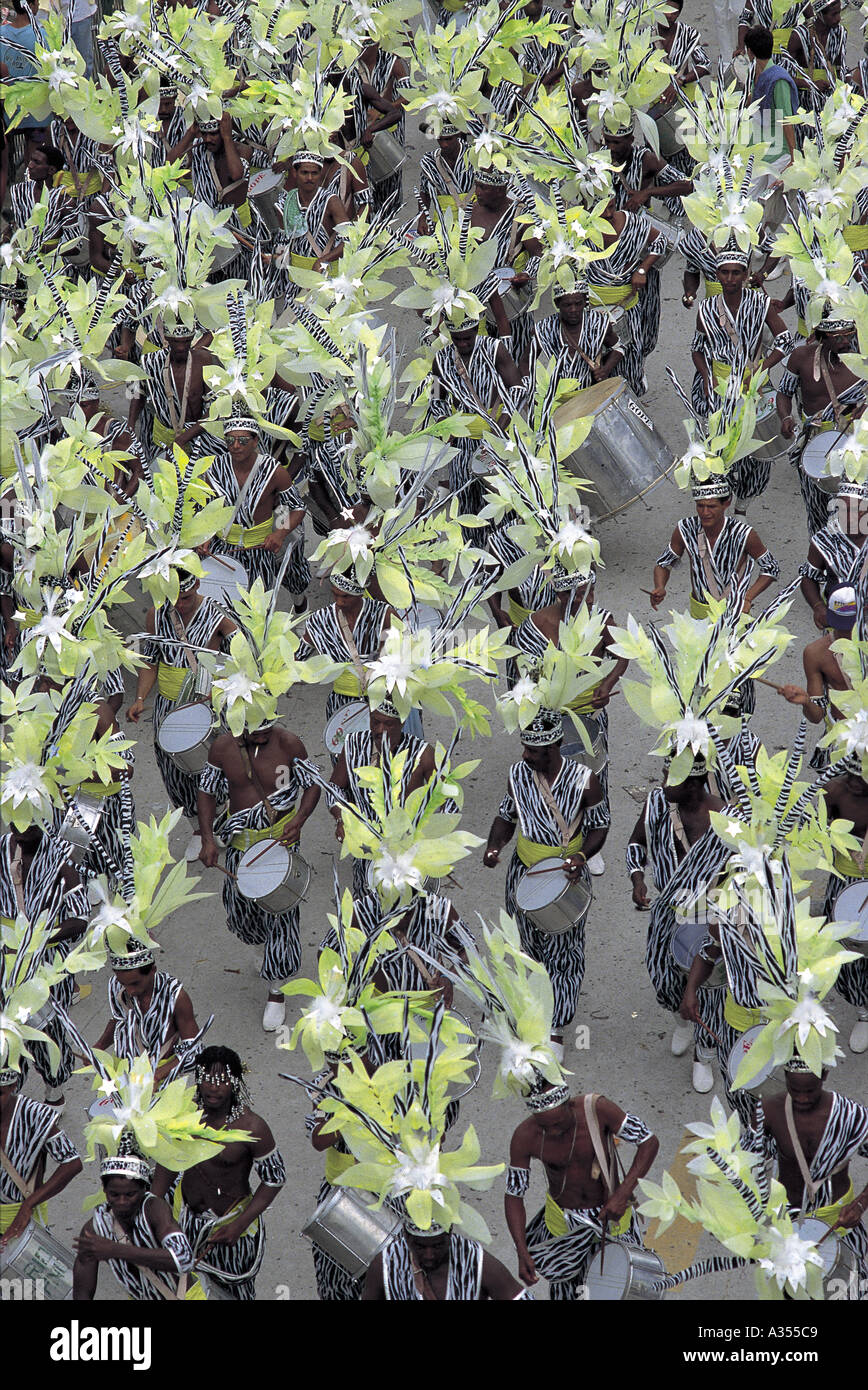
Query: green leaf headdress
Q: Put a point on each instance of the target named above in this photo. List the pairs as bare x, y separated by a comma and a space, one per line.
689, 681
180, 513
449, 266
568, 673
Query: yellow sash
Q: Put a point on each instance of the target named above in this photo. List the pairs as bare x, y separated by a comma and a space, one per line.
834, 1209
712, 287
738, 1018
347, 684
698, 609
245, 838
856, 236
170, 679
88, 184
721, 372
341, 424
781, 37
445, 202
624, 295
250, 536
557, 1224
530, 853
245, 216
9, 1211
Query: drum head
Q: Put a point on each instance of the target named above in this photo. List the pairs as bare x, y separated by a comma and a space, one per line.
263, 868
591, 400
537, 888
222, 574
352, 719
612, 1283
263, 182
811, 1229
740, 1050
852, 906
182, 729
817, 450
103, 1108
686, 941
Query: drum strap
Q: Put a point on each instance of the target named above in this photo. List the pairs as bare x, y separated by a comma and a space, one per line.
253, 776
252, 477
833, 394
605, 1160
465, 375
449, 179
25, 1187
178, 421
149, 1275
711, 580
423, 1285
181, 634
678, 826
566, 831
349, 639
18, 877
428, 976
811, 1188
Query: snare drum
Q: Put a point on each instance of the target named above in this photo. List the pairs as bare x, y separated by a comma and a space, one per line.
839, 1260
665, 115
349, 1231
554, 903
624, 1273
102, 1109
737, 71
814, 456
354, 718
385, 157
222, 578
768, 429
624, 456
767, 1081
671, 235
515, 301
457, 1089
264, 187
185, 736
198, 687
273, 876
79, 826
38, 1257
598, 757
851, 905
684, 948
620, 321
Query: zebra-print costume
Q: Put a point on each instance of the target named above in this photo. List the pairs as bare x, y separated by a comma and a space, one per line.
435, 184
687, 48
760, 12
642, 322
277, 932
852, 981
564, 1260
47, 894
323, 634
426, 925
28, 1137
464, 1283
139, 1030
842, 555
259, 562
61, 218
130, 1277
818, 504
844, 1137
699, 258
387, 196
359, 752
723, 556
662, 849
631, 178
205, 189
157, 401
713, 342
242, 1260
692, 877
813, 58
107, 851
742, 748
508, 251
457, 395
549, 341
535, 591
563, 955
181, 787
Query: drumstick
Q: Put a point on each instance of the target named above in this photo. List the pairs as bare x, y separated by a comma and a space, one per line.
220, 561
709, 1030
830, 1232
762, 681
226, 871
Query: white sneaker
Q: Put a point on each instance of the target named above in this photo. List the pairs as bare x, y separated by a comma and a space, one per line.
859, 1035
274, 1015
191, 854
703, 1078
682, 1038
596, 865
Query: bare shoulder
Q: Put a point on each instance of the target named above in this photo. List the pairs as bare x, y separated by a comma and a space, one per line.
291, 743
221, 749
